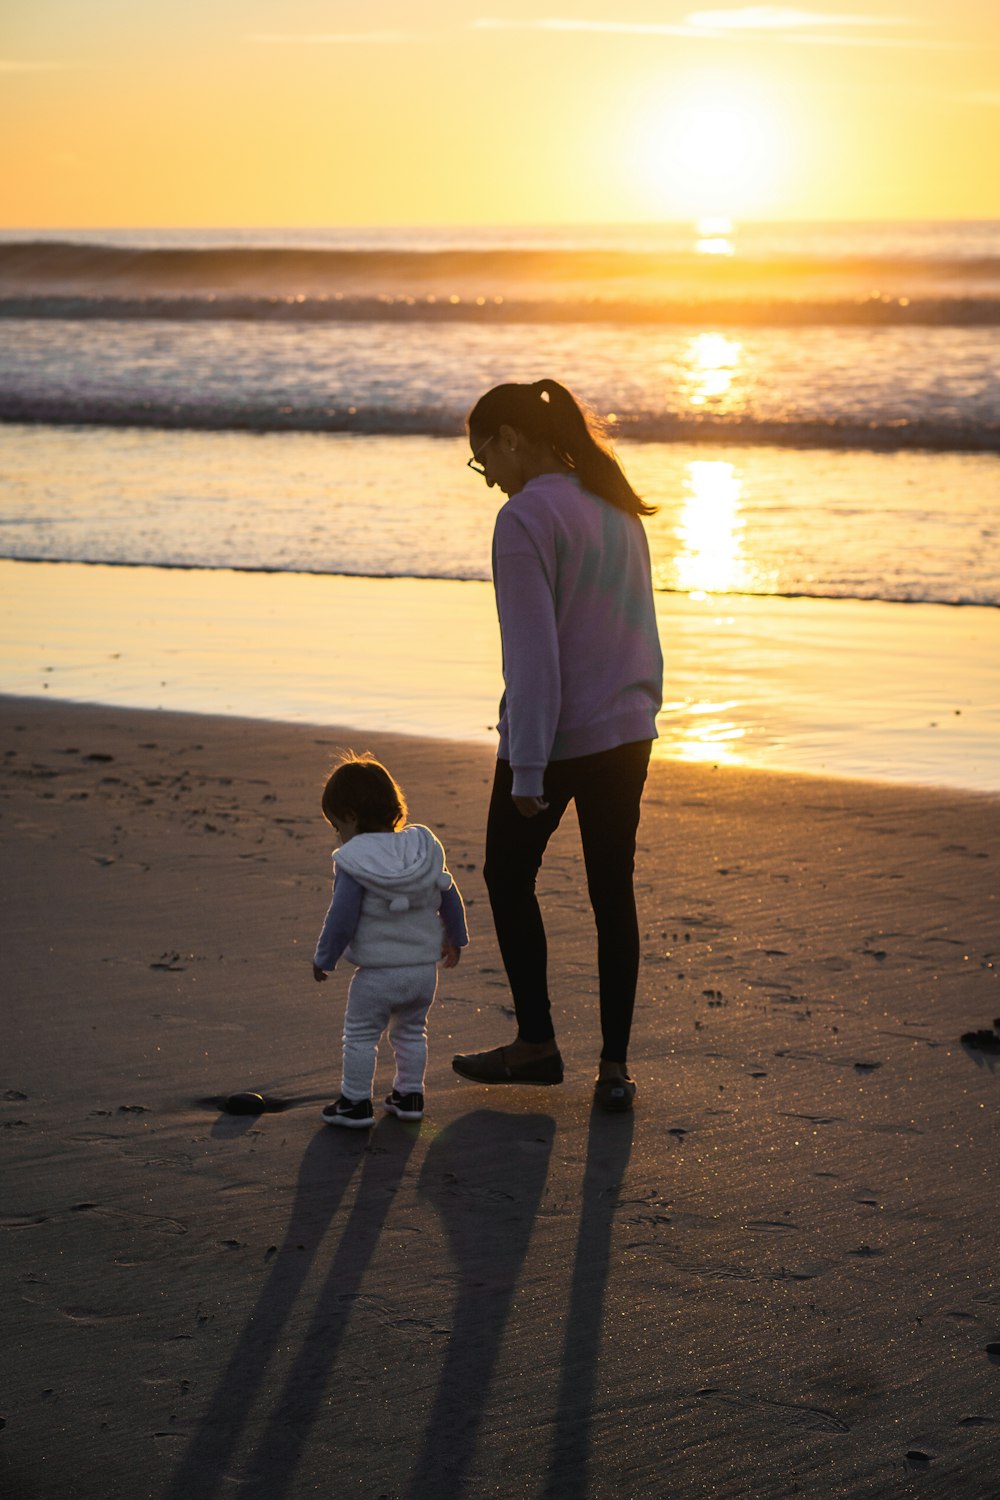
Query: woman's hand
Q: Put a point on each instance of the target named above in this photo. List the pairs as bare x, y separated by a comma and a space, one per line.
450, 954
530, 807
318, 974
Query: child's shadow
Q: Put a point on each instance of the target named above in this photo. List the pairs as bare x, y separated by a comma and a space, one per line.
485, 1175
328, 1165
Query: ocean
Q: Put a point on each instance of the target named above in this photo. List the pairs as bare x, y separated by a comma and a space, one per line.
815, 409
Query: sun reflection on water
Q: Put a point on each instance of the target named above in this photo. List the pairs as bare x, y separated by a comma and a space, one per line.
699, 733
713, 362
710, 530
709, 560
714, 236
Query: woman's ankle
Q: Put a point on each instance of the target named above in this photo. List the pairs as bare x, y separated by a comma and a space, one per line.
534, 1049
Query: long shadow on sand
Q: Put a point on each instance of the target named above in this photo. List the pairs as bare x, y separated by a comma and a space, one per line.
329, 1163
609, 1146
485, 1175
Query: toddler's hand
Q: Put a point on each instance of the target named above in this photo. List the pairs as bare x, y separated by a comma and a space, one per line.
318, 974
450, 954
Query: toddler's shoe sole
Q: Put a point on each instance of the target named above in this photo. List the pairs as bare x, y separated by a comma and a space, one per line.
353, 1119
402, 1114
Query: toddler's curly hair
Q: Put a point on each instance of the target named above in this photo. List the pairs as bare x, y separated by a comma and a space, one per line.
360, 787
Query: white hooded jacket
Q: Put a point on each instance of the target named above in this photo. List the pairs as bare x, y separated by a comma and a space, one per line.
403, 875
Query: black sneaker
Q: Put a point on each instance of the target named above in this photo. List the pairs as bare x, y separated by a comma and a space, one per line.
357, 1116
405, 1106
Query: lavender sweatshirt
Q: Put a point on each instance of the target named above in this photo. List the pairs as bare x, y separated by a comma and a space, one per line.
582, 665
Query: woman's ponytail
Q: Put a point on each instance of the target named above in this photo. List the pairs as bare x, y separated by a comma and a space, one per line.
546, 411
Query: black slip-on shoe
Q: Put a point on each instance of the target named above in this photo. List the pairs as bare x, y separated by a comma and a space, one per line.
493, 1067
616, 1095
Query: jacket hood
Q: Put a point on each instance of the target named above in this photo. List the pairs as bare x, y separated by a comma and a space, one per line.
400, 867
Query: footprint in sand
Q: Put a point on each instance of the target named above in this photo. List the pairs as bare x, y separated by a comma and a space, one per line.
809, 1418
22, 1221
89, 1315
133, 1219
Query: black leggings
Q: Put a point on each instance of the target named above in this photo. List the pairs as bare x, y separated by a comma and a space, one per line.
607, 789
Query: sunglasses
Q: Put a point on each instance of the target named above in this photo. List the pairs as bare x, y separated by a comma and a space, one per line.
474, 463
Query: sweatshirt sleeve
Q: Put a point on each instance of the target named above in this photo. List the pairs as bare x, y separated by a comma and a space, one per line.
340, 921
453, 916
527, 613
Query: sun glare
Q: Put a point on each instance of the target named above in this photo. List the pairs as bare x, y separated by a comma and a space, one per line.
709, 531
714, 151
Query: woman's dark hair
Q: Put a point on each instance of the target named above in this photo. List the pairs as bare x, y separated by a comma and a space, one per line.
360, 787
547, 412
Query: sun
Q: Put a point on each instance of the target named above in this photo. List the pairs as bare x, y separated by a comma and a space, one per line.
716, 147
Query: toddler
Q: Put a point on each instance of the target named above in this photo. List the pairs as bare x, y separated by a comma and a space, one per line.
395, 912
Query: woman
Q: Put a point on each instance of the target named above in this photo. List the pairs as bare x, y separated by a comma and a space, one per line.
583, 677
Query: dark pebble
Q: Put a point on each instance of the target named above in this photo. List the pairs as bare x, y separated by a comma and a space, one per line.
915, 1456
251, 1103
244, 1104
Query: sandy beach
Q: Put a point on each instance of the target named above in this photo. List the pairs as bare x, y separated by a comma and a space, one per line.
778, 1278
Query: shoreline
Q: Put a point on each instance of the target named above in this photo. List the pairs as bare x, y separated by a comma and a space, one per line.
865, 690
267, 571
799, 1210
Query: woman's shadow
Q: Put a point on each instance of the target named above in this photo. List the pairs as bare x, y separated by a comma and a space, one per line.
485, 1175
609, 1146
329, 1164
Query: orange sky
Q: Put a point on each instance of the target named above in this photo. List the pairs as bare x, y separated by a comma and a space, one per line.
502, 111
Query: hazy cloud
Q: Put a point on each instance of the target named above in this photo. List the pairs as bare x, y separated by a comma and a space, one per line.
623, 28
776, 23
327, 39
782, 18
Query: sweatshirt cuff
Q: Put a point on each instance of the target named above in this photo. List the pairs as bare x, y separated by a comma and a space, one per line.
529, 781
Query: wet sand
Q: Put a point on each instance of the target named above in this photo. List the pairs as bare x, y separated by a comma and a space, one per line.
837, 687
777, 1278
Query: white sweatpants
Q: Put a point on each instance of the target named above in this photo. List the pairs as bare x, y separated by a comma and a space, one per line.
396, 999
